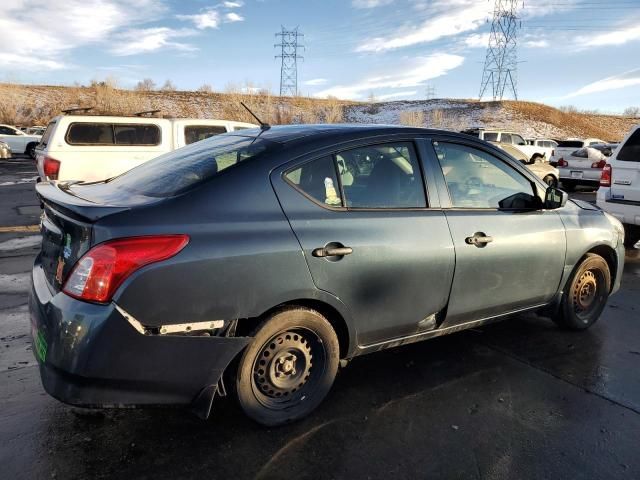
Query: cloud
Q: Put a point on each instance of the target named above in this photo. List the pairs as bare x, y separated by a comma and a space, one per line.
12, 61
207, 19
233, 17
477, 40
146, 40
415, 75
316, 81
388, 96
542, 43
370, 3
615, 37
465, 16
616, 82
232, 4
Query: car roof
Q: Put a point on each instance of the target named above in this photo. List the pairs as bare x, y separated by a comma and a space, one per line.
291, 133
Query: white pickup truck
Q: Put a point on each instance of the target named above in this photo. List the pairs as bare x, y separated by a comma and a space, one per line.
534, 152
18, 141
93, 148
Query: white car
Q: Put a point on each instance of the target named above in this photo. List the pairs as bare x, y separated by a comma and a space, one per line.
18, 141
534, 152
545, 145
565, 147
619, 192
583, 166
93, 148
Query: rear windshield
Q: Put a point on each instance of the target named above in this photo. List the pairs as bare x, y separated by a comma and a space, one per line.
47, 134
84, 133
570, 144
630, 151
183, 169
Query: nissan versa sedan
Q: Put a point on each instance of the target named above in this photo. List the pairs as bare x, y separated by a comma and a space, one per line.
254, 262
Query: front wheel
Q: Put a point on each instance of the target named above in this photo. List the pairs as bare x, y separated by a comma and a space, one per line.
288, 368
586, 294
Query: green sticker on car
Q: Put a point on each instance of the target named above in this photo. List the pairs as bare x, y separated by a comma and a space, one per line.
40, 345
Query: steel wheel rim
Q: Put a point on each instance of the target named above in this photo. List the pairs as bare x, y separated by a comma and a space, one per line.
288, 368
586, 294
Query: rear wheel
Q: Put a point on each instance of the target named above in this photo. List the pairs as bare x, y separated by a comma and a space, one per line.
31, 150
631, 235
586, 294
288, 368
550, 180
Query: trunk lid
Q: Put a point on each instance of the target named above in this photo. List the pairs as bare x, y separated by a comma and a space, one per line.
66, 227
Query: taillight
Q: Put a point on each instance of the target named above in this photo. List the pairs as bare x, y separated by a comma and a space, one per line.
562, 162
605, 176
599, 164
99, 273
51, 167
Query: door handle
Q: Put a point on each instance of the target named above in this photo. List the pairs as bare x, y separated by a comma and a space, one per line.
479, 239
332, 252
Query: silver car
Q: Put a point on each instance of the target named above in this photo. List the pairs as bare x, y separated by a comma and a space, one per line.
5, 151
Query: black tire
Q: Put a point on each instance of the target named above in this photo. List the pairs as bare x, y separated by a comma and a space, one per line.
288, 368
31, 150
585, 295
631, 235
534, 158
568, 186
550, 180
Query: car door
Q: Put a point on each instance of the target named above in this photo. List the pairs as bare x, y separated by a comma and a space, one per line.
369, 236
509, 251
625, 170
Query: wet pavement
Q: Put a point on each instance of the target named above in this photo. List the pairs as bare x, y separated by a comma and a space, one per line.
519, 399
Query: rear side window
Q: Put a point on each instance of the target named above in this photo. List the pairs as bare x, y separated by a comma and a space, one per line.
317, 179
100, 134
491, 137
506, 138
630, 151
195, 133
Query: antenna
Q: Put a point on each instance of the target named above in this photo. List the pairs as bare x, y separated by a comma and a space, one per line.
289, 55
500, 65
263, 125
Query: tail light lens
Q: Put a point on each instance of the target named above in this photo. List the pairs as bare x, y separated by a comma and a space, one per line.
51, 168
599, 164
563, 163
605, 176
99, 273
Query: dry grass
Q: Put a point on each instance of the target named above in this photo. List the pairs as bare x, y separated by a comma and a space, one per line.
412, 118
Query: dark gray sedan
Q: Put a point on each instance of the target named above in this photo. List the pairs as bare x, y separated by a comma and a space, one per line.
257, 260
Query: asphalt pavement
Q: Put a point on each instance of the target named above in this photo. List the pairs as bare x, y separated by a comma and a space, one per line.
519, 399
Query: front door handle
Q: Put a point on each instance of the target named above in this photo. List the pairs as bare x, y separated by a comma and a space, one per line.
332, 252
479, 239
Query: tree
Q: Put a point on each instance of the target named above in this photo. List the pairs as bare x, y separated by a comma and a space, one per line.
205, 88
145, 85
168, 86
632, 112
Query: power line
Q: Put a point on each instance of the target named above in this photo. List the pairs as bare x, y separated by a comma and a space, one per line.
501, 62
289, 54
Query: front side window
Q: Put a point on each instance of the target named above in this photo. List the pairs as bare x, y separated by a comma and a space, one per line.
477, 179
318, 180
506, 138
381, 176
195, 133
7, 131
630, 151
518, 140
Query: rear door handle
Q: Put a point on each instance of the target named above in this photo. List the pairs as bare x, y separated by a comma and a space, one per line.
332, 252
479, 239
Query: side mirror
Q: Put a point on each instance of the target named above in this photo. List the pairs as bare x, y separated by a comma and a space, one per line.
555, 198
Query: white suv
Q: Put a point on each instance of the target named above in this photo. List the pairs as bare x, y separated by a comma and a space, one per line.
93, 148
534, 152
619, 192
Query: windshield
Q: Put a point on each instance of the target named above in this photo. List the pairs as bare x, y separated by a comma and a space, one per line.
182, 169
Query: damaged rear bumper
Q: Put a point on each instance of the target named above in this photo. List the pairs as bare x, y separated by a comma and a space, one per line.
91, 356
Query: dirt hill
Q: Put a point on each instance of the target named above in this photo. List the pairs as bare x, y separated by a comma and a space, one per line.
35, 104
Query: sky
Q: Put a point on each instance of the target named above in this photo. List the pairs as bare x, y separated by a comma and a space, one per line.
570, 52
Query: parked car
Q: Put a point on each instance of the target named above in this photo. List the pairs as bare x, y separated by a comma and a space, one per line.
566, 147
549, 174
583, 166
545, 145
92, 148
533, 151
5, 150
281, 251
619, 192
18, 141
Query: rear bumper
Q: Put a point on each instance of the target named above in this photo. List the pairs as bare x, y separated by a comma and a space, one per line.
91, 356
578, 175
627, 212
